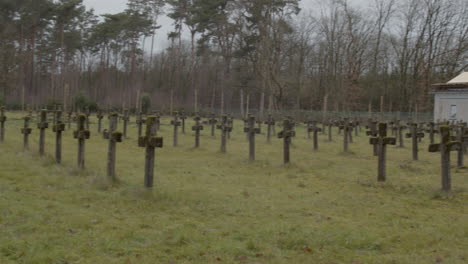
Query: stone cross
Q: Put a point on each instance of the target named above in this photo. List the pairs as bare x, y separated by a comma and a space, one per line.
463, 138
197, 128
140, 121
212, 121
444, 148
339, 124
350, 131
286, 135
309, 124
382, 140
315, 129
292, 124
149, 141
183, 116
420, 129
225, 128
347, 128
58, 128
356, 125
113, 136
414, 135
158, 120
231, 124
431, 130
330, 125
372, 126
270, 124
99, 116
26, 131
251, 131
42, 126
82, 134
176, 123
399, 130
126, 119
259, 124
3, 118
87, 113
246, 126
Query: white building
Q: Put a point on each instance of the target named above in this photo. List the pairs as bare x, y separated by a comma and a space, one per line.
451, 99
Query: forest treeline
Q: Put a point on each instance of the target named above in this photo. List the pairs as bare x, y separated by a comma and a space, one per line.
234, 54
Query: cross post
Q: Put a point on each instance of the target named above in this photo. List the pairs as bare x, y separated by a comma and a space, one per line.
444, 147
150, 142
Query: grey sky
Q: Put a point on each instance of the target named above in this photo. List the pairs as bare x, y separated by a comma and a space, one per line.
115, 6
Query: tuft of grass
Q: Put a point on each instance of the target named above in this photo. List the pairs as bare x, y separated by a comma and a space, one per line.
324, 207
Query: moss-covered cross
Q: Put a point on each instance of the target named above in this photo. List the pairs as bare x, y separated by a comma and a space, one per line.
415, 135
150, 141
444, 147
382, 141
286, 134
197, 128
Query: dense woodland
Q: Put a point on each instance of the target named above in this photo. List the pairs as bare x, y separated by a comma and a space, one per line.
232, 54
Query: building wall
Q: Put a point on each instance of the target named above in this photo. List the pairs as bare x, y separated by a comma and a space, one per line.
451, 106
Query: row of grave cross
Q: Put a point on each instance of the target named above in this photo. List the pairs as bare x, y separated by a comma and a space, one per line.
377, 131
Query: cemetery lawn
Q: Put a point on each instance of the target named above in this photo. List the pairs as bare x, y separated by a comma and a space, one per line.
208, 207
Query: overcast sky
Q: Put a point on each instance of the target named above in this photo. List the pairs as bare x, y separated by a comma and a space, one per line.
116, 6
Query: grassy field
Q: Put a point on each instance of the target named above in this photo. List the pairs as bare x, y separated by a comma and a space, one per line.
208, 207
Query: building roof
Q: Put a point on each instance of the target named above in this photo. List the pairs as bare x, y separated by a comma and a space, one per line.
462, 78
456, 84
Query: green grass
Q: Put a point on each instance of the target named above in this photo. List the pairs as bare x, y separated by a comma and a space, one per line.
208, 207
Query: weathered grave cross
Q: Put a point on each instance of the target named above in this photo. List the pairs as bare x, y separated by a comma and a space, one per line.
414, 135
463, 138
350, 131
347, 128
212, 121
42, 125
3, 118
356, 125
150, 142
87, 113
382, 140
315, 129
197, 128
140, 121
286, 135
58, 128
113, 136
26, 130
225, 128
183, 116
100, 116
431, 130
445, 146
270, 123
251, 131
158, 120
399, 129
69, 118
126, 119
308, 124
230, 121
176, 123
82, 134
330, 125
372, 126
